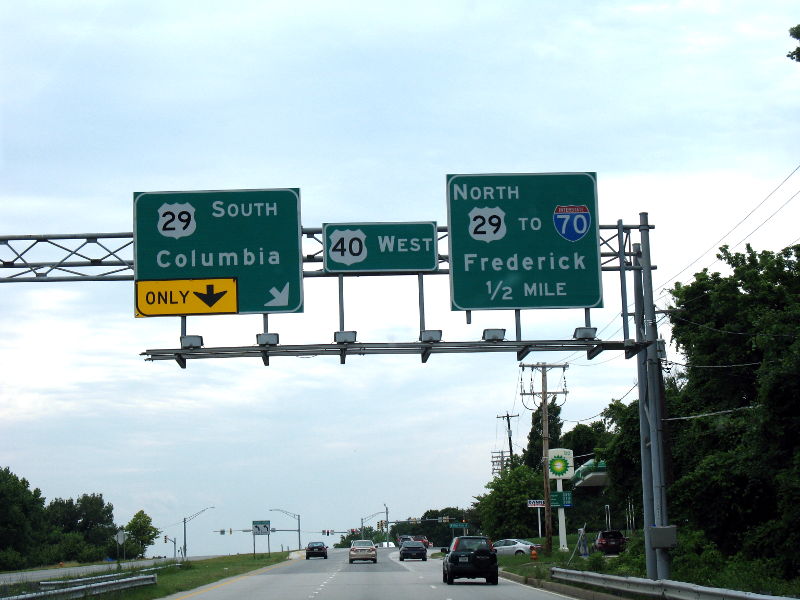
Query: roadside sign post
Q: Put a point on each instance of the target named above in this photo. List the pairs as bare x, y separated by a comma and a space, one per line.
561, 465
521, 241
261, 528
538, 505
217, 252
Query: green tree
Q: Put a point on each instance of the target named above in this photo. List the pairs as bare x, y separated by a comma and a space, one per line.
504, 510
63, 515
532, 456
141, 532
740, 334
795, 33
584, 440
21, 520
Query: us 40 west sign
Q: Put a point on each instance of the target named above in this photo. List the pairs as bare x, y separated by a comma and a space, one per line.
216, 252
380, 247
523, 241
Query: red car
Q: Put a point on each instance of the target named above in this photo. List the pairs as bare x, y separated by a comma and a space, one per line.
423, 539
610, 541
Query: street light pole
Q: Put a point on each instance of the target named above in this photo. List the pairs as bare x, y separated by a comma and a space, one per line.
387, 524
375, 514
186, 520
291, 514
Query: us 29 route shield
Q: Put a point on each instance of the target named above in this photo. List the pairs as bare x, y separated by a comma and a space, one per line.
523, 241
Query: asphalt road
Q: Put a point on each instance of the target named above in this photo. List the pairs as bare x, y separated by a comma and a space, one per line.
336, 579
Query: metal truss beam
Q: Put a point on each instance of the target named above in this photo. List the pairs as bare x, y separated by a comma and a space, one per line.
422, 349
109, 256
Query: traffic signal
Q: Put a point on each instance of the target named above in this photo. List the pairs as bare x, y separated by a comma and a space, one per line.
230, 531
165, 539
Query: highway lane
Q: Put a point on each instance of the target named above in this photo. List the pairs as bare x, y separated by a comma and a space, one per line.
336, 579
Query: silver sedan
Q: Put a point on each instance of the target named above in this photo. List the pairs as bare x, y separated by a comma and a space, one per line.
514, 546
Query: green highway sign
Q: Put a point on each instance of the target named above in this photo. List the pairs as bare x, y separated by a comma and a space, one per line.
381, 247
261, 527
525, 240
460, 525
245, 243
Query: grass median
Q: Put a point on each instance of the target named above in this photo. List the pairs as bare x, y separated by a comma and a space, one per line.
193, 574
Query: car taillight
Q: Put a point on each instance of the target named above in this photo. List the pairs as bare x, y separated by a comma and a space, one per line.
455, 545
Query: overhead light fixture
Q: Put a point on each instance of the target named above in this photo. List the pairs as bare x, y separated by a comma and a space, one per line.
494, 335
191, 341
430, 335
344, 337
267, 339
585, 333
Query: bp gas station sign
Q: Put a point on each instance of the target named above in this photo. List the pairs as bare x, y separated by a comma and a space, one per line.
217, 252
523, 241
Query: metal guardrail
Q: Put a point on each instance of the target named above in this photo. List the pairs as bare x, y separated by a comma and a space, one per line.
660, 588
52, 583
90, 589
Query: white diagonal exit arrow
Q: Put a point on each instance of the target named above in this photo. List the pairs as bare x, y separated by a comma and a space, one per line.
279, 297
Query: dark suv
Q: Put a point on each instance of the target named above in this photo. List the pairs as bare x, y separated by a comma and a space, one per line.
610, 541
469, 556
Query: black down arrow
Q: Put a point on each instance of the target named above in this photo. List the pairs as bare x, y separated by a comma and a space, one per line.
210, 298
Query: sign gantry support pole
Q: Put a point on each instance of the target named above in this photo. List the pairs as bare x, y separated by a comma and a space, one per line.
651, 409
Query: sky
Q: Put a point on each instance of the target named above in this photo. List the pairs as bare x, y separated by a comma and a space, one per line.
685, 110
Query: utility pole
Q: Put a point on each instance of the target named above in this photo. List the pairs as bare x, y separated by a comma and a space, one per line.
507, 417
548, 510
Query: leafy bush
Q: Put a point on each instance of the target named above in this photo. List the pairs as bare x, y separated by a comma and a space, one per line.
11, 560
596, 562
630, 563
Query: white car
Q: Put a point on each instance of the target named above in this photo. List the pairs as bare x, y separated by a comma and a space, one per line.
514, 546
363, 550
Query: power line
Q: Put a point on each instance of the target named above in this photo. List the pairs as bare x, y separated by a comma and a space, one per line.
747, 216
780, 208
725, 331
711, 414
752, 364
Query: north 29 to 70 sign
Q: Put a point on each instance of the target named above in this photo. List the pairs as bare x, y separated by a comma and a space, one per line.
523, 241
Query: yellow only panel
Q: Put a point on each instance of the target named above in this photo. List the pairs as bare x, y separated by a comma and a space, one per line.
187, 297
